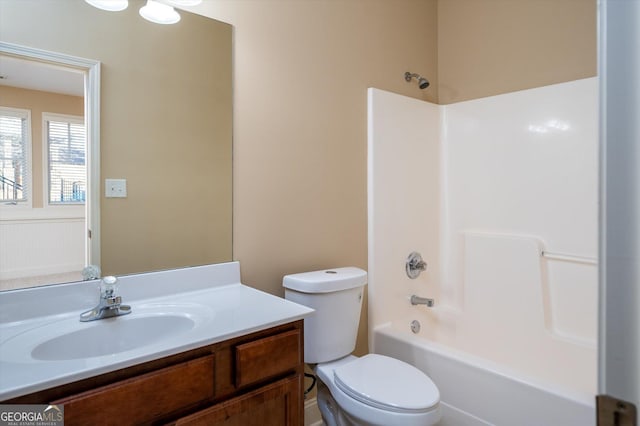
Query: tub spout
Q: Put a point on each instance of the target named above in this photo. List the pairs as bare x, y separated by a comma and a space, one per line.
417, 300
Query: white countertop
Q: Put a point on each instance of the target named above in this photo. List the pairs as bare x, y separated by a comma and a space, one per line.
225, 309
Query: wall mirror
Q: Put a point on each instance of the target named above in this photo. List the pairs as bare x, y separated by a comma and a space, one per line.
165, 115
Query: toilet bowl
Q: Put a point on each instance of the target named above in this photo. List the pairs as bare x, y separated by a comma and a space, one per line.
373, 390
376, 390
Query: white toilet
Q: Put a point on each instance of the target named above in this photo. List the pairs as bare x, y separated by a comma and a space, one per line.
371, 390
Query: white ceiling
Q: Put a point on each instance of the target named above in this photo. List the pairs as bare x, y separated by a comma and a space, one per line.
29, 74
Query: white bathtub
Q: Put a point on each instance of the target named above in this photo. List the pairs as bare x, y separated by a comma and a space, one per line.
482, 189
478, 392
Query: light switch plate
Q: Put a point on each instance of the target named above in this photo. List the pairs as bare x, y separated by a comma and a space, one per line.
115, 188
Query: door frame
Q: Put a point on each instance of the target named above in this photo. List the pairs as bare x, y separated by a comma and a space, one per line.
91, 70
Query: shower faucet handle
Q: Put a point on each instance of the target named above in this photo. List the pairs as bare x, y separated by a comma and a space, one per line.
415, 265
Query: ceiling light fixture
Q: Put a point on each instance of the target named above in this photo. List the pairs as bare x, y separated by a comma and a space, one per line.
109, 5
184, 2
159, 13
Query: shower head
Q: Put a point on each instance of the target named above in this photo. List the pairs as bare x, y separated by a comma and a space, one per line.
423, 83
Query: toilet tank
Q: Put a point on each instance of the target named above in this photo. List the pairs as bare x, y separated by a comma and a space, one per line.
336, 296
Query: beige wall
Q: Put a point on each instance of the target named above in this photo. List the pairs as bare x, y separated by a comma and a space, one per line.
39, 102
301, 73
165, 105
301, 70
488, 47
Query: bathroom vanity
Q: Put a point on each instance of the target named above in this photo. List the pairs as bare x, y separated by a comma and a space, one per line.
258, 376
237, 361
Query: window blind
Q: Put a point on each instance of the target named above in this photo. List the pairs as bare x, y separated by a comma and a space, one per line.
66, 142
14, 167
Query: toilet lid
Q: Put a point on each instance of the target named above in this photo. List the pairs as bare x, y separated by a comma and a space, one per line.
387, 383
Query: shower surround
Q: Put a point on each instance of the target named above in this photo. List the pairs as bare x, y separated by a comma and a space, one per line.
500, 196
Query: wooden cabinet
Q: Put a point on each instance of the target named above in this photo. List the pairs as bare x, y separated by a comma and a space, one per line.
143, 398
277, 404
255, 379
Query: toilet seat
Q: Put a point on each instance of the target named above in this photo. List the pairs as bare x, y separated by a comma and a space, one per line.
387, 384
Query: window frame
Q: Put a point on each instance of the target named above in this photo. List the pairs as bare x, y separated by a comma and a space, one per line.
76, 119
28, 149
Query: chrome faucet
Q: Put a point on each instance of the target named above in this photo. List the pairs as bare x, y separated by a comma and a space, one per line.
110, 304
417, 300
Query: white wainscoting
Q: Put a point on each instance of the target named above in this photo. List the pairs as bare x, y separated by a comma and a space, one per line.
41, 246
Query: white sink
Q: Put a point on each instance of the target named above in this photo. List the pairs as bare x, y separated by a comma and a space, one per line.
44, 344
111, 336
70, 339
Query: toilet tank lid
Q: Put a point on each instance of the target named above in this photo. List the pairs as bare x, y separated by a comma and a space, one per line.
326, 280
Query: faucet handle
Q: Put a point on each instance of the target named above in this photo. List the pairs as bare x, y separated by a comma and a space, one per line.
415, 265
108, 287
110, 304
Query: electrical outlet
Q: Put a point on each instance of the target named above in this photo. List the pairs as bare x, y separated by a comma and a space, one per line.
115, 188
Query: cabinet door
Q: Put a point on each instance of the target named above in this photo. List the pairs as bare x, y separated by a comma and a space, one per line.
277, 404
143, 399
268, 357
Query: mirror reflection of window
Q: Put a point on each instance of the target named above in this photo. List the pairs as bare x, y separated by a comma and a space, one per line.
14, 162
66, 153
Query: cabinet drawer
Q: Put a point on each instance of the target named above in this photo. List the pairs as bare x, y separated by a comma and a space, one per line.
144, 398
267, 357
276, 404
